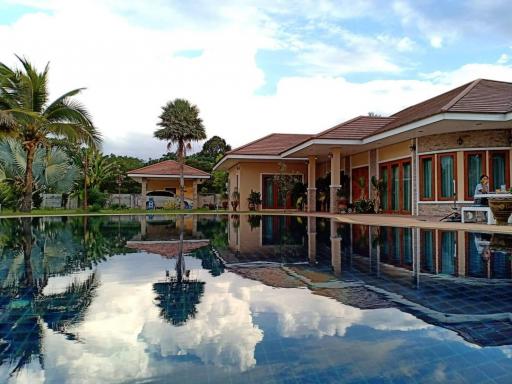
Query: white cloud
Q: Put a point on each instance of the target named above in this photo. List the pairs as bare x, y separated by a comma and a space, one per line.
504, 58
125, 53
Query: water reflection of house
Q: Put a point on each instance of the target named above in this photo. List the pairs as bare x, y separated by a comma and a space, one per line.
159, 227
266, 238
454, 279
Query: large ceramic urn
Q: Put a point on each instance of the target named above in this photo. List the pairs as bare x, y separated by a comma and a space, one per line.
501, 209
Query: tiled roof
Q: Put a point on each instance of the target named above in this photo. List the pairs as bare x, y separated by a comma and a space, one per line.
356, 128
168, 167
273, 144
479, 96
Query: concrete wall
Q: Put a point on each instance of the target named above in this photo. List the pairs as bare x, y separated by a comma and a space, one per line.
251, 176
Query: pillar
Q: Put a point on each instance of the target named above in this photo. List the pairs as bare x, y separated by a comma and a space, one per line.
195, 195
335, 248
143, 227
312, 239
335, 178
143, 197
311, 183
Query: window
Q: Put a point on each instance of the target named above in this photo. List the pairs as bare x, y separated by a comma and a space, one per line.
448, 253
428, 254
384, 196
474, 167
406, 187
499, 169
447, 164
427, 177
397, 193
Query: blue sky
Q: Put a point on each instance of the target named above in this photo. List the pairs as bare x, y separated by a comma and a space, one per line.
254, 67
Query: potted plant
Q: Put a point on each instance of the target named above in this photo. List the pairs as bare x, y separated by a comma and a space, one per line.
254, 221
235, 199
378, 186
254, 200
299, 195
225, 199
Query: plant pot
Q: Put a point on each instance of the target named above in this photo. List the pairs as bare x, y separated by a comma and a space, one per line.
252, 207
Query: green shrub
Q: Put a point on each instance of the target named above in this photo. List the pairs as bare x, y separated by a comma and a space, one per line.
95, 208
96, 197
364, 206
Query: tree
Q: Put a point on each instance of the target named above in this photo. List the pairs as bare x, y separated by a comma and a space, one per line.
125, 164
214, 147
26, 114
52, 169
181, 125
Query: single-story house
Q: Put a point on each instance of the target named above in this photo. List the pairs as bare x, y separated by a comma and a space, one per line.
165, 176
428, 155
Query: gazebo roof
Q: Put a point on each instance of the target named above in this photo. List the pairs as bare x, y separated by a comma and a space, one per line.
169, 169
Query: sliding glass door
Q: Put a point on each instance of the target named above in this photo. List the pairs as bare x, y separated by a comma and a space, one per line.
396, 196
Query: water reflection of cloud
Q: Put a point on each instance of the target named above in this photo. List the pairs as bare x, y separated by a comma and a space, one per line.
124, 338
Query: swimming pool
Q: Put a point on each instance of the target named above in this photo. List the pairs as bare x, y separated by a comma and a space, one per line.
251, 299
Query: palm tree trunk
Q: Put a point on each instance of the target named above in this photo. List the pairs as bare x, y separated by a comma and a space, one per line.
181, 159
28, 188
182, 185
27, 243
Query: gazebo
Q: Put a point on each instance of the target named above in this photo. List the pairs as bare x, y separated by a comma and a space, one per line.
165, 176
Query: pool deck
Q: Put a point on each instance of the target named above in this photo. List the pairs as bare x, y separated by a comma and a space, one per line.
362, 219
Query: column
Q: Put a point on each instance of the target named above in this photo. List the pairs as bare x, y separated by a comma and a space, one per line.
143, 197
311, 183
143, 227
195, 195
335, 248
335, 178
312, 239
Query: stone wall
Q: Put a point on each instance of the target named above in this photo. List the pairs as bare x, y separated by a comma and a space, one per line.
471, 139
438, 209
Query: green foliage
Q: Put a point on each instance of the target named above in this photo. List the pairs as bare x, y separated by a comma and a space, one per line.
52, 169
215, 147
26, 114
299, 194
364, 206
96, 198
180, 126
254, 198
124, 164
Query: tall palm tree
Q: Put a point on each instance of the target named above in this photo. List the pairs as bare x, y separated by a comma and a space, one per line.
26, 114
181, 125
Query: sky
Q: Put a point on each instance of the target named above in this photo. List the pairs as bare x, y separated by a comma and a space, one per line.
254, 67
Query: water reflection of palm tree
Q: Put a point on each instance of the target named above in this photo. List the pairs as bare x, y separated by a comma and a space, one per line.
24, 307
178, 296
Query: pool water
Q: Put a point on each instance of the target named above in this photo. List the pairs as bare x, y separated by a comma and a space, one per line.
251, 299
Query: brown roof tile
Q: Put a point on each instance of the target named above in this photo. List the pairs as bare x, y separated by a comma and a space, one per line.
356, 128
168, 167
479, 96
273, 144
